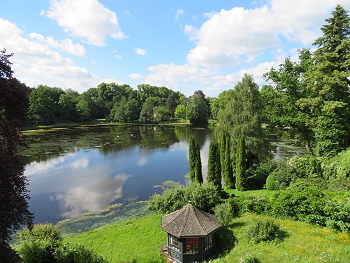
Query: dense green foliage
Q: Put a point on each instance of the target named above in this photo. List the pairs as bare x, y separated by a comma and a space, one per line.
214, 166
241, 178
242, 115
194, 163
13, 193
302, 201
44, 243
311, 97
203, 196
225, 156
224, 213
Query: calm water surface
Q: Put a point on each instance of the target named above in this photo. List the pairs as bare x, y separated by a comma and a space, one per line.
75, 171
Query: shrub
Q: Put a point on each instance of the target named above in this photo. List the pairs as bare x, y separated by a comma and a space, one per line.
271, 183
224, 213
44, 244
203, 196
303, 201
252, 204
257, 174
263, 230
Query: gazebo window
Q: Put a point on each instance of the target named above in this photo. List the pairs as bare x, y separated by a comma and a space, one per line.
174, 242
208, 242
191, 245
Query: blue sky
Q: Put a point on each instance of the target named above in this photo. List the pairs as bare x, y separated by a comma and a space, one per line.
183, 45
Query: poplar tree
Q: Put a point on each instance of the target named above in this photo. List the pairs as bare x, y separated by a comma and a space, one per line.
195, 163
229, 180
192, 158
214, 166
198, 167
241, 180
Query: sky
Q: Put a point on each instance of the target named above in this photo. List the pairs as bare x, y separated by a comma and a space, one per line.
184, 45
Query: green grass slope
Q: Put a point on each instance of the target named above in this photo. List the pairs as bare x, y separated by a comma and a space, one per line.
139, 240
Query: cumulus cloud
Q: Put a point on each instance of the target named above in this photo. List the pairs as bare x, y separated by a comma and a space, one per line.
140, 51
87, 19
135, 76
170, 74
249, 32
34, 56
65, 45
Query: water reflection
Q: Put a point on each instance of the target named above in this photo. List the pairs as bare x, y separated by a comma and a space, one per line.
74, 171
92, 197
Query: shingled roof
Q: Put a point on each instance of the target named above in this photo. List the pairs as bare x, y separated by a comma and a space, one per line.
189, 221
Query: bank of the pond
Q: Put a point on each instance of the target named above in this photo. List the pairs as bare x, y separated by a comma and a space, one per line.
92, 124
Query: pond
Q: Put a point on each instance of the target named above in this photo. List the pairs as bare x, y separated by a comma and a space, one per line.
76, 171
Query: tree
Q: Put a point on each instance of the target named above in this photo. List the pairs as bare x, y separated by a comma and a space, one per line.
198, 170
82, 108
180, 111
280, 99
243, 115
227, 171
161, 113
43, 104
196, 109
327, 80
214, 166
195, 164
67, 105
192, 158
14, 104
241, 180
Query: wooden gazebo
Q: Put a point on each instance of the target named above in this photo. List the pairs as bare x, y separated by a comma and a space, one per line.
190, 234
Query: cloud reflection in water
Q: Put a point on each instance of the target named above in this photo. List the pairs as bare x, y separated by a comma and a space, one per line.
92, 197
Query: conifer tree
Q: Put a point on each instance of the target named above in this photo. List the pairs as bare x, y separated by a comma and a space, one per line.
192, 158
241, 180
327, 79
229, 180
198, 167
214, 166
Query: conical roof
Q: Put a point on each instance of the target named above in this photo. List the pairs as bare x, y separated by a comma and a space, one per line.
189, 221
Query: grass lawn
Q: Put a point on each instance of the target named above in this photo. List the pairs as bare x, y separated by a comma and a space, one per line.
140, 240
302, 243
136, 239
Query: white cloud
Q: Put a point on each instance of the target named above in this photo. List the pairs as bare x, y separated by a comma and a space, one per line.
140, 51
34, 62
170, 74
135, 76
82, 163
87, 19
179, 12
203, 56
126, 12
118, 56
91, 197
65, 45
249, 32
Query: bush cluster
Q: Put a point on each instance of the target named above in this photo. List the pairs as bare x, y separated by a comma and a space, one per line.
44, 243
203, 196
263, 230
302, 201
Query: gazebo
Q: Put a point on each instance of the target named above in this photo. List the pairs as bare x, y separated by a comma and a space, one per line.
190, 234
